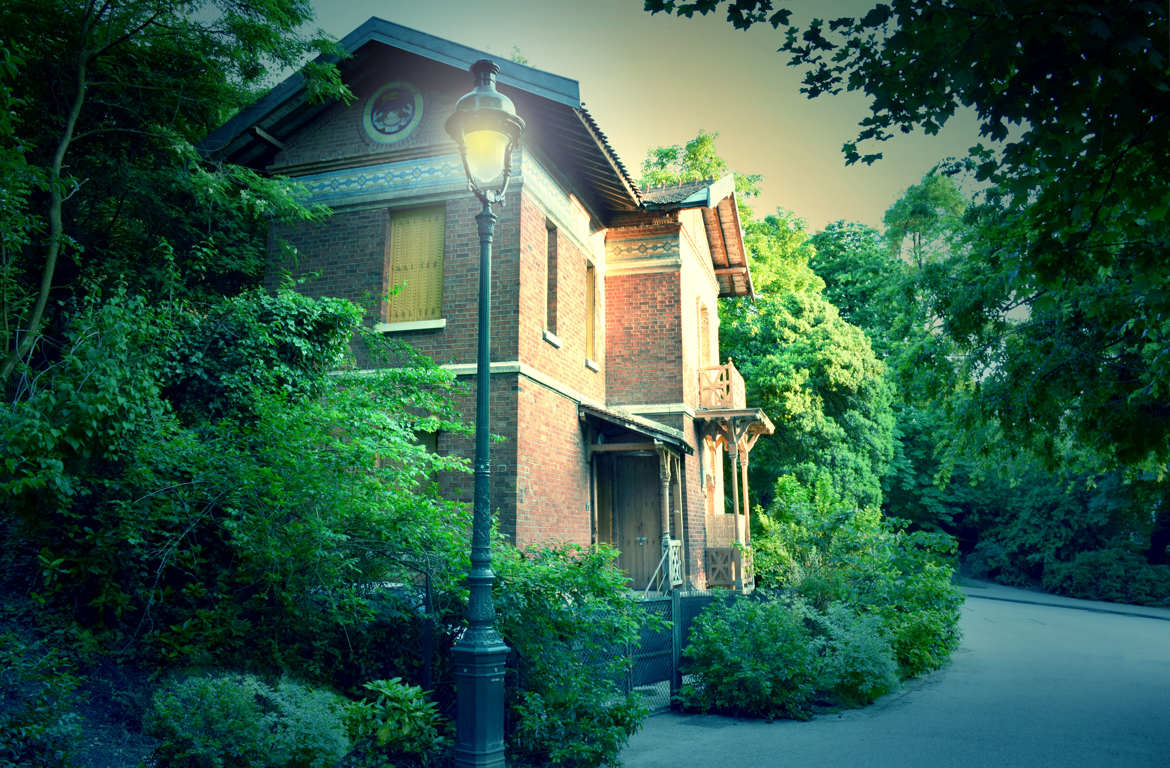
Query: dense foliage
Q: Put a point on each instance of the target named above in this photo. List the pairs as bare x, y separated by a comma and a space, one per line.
827, 550
185, 525
101, 182
568, 617
751, 657
228, 720
819, 381
864, 604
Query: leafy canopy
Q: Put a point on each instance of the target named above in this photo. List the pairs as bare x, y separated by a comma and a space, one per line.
104, 104
696, 160
1072, 227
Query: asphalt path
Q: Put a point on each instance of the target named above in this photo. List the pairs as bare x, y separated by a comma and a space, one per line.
1037, 681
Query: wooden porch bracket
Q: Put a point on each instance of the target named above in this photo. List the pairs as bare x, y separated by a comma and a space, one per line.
737, 430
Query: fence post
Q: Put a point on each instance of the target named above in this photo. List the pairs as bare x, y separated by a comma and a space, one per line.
675, 643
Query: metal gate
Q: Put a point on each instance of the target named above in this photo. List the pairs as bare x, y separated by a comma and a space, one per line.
654, 670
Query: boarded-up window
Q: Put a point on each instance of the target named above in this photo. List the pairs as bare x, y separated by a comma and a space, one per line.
590, 312
416, 264
704, 337
550, 319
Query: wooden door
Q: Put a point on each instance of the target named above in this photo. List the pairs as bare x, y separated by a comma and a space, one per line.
603, 479
637, 516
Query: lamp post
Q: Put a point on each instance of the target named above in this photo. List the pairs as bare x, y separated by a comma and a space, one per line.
487, 129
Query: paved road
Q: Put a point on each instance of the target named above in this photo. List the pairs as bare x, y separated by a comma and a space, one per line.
1069, 684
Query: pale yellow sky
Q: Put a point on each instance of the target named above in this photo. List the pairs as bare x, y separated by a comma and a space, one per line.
654, 80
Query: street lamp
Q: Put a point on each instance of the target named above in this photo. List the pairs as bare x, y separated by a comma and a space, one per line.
487, 129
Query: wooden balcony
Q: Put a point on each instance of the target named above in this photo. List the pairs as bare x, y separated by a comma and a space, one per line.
730, 567
721, 387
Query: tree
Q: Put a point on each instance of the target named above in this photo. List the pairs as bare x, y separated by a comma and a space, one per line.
817, 378
179, 498
1073, 223
815, 375
875, 289
697, 160
105, 102
920, 223
863, 279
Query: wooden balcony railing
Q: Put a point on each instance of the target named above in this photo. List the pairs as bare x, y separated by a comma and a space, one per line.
721, 386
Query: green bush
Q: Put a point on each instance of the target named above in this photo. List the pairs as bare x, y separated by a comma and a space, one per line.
177, 520
826, 552
1031, 523
752, 657
238, 721
37, 691
766, 656
569, 619
1118, 575
396, 722
859, 664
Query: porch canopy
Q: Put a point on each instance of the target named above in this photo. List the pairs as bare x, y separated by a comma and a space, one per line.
615, 431
638, 510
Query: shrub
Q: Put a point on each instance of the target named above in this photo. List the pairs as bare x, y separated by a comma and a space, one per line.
176, 520
1118, 575
37, 690
569, 619
238, 721
752, 657
827, 552
859, 664
397, 722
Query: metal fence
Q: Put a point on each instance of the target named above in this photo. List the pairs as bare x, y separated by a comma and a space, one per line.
655, 671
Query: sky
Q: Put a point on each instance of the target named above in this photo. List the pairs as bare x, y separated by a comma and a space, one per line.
653, 80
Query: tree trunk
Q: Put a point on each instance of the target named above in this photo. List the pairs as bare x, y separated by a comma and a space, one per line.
57, 198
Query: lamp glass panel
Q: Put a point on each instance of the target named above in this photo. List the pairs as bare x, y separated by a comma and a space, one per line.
485, 154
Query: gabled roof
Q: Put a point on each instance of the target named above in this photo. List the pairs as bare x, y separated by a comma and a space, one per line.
724, 233
688, 194
551, 104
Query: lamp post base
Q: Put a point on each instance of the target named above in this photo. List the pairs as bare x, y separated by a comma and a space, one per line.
479, 660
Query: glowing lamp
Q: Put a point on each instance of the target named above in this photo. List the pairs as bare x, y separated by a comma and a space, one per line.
486, 128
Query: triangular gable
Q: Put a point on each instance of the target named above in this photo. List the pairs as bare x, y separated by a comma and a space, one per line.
559, 126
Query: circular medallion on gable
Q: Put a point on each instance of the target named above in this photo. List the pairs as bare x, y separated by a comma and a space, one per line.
392, 112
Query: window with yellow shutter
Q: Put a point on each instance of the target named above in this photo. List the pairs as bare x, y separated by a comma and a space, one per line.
416, 265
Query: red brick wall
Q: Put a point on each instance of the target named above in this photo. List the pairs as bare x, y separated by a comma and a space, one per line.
552, 476
540, 476
566, 364
349, 250
643, 345
461, 486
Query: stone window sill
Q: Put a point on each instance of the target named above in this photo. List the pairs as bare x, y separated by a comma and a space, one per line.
592, 365
413, 325
551, 338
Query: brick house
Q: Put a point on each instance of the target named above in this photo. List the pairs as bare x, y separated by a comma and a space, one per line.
606, 378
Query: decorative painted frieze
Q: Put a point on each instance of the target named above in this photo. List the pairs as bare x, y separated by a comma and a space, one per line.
652, 253
406, 178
